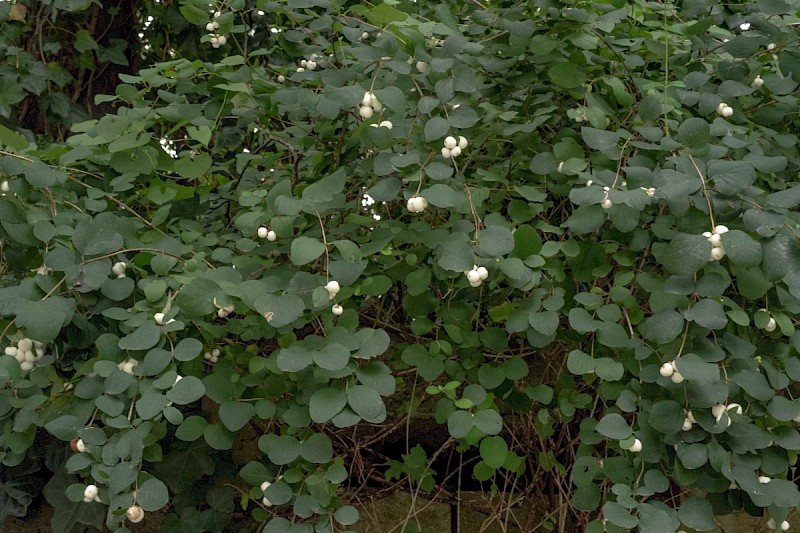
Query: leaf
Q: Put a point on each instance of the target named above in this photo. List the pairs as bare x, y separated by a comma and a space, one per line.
686, 254
436, 128
693, 368
666, 416
459, 423
306, 249
152, 495
317, 449
567, 75
495, 241
494, 451
613, 426
326, 403
235, 415
579, 362
694, 132
187, 349
600, 140
364, 401
619, 515
279, 310
455, 256
708, 314
697, 514
741, 248
42, 320
142, 338
187, 390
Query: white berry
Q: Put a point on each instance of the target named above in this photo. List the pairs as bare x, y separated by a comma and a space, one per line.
365, 112
25, 345
757, 82
281, 78
771, 524
462, 142
386, 124
215, 42
483, 273
210, 26
717, 410
771, 47
721, 107
473, 276
727, 112
263, 231
715, 240
337, 309
4, 186
687, 425
771, 325
80, 446
677, 377
422, 67
159, 318
450, 142
311, 65
446, 153
764, 479
119, 268
135, 514
333, 288
265, 486
717, 254
667, 369
744, 26
366, 100
417, 204
785, 526
720, 229
271, 236
636, 446
11, 350
26, 366
455, 152
364, 36
90, 491
266, 502
606, 203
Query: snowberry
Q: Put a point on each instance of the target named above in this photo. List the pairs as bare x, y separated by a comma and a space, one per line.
771, 524
25, 345
337, 309
265, 486
727, 112
677, 377
764, 479
462, 142
560, 167
311, 65
715, 240
119, 268
376, 105
717, 410
80, 446
300, 69
687, 425
26, 366
11, 350
720, 107
266, 502
304, 63
667, 370
222, 313
483, 273
135, 514
364, 36
446, 153
651, 191
365, 112
281, 78
606, 203
455, 152
90, 492
386, 124
366, 100
707, 234
271, 236
473, 276
744, 26
757, 82
636, 446
720, 229
785, 526
129, 365
263, 231
215, 42
690, 417
215, 352
717, 254
422, 67
210, 26
417, 204
771, 325
333, 288
4, 186
450, 142
159, 318
771, 47
734, 407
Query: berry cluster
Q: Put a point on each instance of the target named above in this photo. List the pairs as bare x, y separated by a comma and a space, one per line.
771, 522
91, 494
128, 365
688, 421
606, 203
453, 147
719, 410
669, 370
715, 238
333, 289
217, 40
369, 106
476, 276
26, 352
264, 500
223, 310
417, 204
724, 110
383, 124
212, 356
266, 233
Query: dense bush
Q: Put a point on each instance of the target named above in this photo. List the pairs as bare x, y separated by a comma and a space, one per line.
565, 231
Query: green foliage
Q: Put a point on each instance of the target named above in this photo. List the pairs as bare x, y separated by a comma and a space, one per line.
168, 266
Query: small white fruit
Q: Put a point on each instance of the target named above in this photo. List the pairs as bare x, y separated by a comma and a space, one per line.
365, 112
119, 268
744, 26
333, 288
90, 491
687, 425
222, 313
386, 124
311, 65
473, 276
462, 142
376, 105
159, 318
281, 78
764, 479
300, 69
727, 112
304, 63
25, 345
785, 526
717, 254
475, 283
771, 325
707, 234
720, 107
757, 82
734, 407
10, 350
446, 153
129, 365
422, 67
215, 352
215, 42
135, 514
450, 142
606, 203
771, 524
210, 26
26, 366
636, 446
715, 240
80, 446
483, 273
417, 204
337, 309
771, 47
263, 231
455, 152
690, 417
677, 377
667, 369
366, 100
265, 486
271, 236
717, 410
364, 36
266, 502
4, 186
